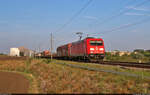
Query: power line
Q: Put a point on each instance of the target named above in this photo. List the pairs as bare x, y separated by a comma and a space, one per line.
74, 16
118, 10
122, 12
125, 26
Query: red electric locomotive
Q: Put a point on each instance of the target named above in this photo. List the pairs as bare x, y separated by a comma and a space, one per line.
87, 49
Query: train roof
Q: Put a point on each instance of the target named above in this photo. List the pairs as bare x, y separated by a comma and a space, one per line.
92, 38
89, 37
85, 39
80, 41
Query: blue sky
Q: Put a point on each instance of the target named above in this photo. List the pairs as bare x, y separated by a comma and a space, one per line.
29, 23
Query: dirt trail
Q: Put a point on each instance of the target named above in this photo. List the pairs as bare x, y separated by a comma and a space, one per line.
13, 83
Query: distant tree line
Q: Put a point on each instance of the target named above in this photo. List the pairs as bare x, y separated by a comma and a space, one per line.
136, 55
2, 54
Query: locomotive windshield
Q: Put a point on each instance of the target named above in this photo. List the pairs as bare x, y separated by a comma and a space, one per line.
96, 43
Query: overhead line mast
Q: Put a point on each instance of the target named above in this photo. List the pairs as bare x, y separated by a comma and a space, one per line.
51, 48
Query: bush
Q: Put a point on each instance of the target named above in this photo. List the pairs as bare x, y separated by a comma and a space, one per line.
147, 54
2, 54
47, 61
137, 56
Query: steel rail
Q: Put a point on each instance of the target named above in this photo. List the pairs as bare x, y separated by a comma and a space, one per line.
127, 64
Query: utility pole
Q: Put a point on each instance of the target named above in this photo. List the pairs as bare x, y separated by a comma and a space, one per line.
51, 48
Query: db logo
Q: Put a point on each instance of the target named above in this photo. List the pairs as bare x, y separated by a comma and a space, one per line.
96, 48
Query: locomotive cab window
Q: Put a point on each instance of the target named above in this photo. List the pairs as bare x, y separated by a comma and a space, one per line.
96, 43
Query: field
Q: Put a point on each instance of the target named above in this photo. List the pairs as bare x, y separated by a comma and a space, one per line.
13, 83
46, 76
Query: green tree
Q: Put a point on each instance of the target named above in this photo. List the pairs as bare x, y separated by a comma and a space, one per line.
137, 56
146, 54
108, 55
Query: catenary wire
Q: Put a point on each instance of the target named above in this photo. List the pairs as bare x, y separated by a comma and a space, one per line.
120, 13
124, 26
74, 16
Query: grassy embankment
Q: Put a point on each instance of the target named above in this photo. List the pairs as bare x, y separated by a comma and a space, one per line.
55, 78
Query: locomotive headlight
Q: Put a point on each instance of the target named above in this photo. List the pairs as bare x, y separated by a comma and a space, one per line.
91, 48
101, 49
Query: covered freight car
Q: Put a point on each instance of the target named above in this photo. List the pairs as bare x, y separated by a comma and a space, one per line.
63, 51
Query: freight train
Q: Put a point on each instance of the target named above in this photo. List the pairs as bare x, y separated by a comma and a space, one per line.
87, 49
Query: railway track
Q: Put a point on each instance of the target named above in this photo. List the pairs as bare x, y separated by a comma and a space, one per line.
124, 64
127, 64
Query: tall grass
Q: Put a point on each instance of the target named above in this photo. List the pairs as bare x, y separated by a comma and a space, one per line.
28, 63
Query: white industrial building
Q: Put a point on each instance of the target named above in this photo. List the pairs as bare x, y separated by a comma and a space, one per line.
21, 51
14, 52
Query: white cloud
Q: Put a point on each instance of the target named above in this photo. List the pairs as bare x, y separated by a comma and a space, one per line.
91, 17
138, 8
136, 14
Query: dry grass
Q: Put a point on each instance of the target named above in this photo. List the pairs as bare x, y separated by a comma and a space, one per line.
54, 78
